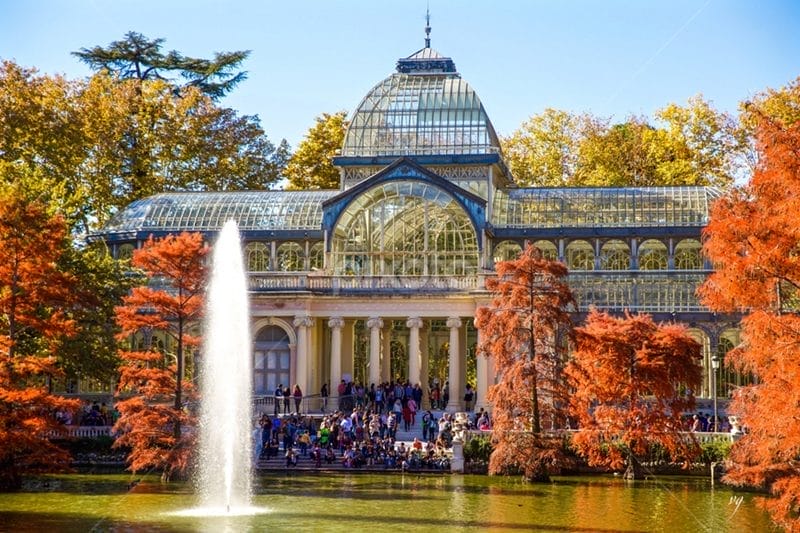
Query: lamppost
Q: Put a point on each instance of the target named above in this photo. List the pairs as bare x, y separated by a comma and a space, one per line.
714, 368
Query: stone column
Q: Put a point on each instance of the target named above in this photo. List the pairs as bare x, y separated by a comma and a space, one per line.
424, 361
336, 324
302, 323
414, 324
386, 353
454, 357
348, 335
482, 377
374, 324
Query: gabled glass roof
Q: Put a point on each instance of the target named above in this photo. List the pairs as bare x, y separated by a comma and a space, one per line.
602, 207
423, 109
208, 211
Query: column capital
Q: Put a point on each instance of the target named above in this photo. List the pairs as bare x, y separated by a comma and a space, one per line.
454, 322
336, 322
414, 322
375, 322
303, 321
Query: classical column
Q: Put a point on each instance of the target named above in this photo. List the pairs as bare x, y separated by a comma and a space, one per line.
374, 324
302, 323
336, 324
348, 338
424, 362
454, 356
481, 376
386, 353
414, 324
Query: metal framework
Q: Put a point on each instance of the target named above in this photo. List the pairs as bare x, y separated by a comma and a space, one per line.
595, 207
405, 228
419, 112
208, 211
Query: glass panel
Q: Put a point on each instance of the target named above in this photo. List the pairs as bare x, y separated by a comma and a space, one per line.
403, 228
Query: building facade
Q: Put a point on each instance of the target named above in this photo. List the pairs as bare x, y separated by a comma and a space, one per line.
381, 279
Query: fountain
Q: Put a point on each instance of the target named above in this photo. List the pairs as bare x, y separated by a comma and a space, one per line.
224, 466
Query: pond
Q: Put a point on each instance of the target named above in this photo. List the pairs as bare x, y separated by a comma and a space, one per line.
399, 502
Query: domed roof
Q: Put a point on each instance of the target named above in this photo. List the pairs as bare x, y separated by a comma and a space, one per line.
424, 108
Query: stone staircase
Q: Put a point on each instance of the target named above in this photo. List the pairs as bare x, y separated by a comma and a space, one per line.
308, 464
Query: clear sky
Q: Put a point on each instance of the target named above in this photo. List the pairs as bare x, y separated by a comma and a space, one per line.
610, 57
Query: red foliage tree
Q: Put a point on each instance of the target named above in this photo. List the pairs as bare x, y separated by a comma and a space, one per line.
34, 294
628, 376
753, 238
154, 391
522, 329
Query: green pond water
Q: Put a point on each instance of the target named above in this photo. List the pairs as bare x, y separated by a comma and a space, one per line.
395, 502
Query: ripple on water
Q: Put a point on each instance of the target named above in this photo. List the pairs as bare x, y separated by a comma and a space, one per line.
220, 511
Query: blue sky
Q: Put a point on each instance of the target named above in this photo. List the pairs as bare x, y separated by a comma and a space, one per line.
611, 57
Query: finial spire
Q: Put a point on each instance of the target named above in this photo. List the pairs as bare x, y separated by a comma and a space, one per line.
428, 27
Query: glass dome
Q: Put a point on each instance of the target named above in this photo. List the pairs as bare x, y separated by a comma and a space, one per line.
208, 211
425, 108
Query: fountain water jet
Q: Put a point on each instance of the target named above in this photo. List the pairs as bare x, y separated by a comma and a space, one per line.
224, 466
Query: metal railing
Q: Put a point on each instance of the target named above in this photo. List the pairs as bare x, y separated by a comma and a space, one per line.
642, 290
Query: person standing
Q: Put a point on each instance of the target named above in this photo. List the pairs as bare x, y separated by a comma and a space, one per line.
278, 398
323, 393
297, 394
286, 397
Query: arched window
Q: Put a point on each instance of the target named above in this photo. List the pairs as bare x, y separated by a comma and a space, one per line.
728, 379
257, 257
688, 255
652, 255
705, 345
580, 256
290, 257
271, 360
125, 251
506, 251
405, 228
615, 255
316, 256
548, 249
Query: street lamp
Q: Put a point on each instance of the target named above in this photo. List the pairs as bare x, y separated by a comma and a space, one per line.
714, 368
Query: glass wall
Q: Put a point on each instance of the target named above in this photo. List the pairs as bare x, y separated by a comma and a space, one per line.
405, 228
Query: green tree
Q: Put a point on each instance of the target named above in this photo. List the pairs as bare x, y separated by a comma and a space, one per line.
685, 145
100, 284
311, 165
543, 151
88, 148
137, 57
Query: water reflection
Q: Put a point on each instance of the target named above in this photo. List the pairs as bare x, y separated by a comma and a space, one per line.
409, 502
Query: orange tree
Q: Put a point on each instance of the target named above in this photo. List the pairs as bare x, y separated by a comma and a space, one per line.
154, 392
521, 329
632, 380
35, 296
753, 238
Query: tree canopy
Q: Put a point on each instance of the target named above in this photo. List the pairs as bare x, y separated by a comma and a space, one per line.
35, 298
522, 329
90, 147
752, 237
632, 381
686, 145
154, 391
139, 58
311, 165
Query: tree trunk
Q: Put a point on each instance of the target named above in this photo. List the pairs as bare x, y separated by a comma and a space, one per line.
634, 468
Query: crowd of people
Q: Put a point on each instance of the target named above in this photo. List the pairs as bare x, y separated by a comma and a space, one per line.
90, 414
362, 437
